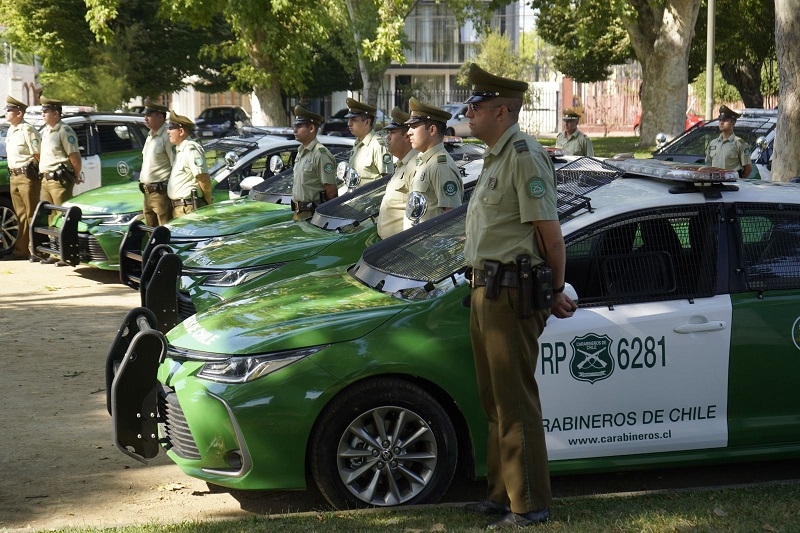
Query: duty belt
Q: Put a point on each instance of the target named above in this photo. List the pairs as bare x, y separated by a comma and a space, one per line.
16, 171
507, 279
182, 202
153, 187
48, 175
303, 206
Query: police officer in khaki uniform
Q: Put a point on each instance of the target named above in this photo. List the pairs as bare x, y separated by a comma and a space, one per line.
314, 167
729, 151
60, 160
23, 143
571, 140
512, 225
436, 185
370, 157
158, 155
393, 206
189, 186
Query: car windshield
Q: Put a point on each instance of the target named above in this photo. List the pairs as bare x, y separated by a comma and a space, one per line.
217, 149
357, 206
218, 112
694, 141
428, 260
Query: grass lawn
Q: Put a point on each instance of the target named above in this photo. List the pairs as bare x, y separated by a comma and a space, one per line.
611, 146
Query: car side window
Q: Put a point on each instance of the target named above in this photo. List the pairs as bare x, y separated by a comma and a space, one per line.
260, 166
82, 131
116, 137
769, 245
647, 256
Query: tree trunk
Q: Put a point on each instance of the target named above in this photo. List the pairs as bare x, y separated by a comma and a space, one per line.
267, 105
746, 77
786, 157
661, 34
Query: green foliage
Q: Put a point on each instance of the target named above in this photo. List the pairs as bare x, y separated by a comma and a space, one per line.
98, 85
589, 37
723, 92
495, 54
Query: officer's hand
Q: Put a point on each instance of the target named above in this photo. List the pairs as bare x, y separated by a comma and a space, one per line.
563, 306
79, 178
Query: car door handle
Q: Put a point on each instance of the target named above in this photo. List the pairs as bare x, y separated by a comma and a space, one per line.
716, 325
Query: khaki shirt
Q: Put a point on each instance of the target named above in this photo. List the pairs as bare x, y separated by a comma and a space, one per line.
370, 158
314, 168
190, 161
731, 153
158, 155
22, 142
393, 205
515, 188
57, 143
578, 144
438, 179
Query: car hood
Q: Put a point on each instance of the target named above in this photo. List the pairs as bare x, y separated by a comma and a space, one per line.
289, 241
225, 218
111, 199
325, 307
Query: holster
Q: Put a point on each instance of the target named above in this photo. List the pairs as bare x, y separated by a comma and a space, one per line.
64, 174
32, 170
543, 287
493, 271
323, 197
525, 289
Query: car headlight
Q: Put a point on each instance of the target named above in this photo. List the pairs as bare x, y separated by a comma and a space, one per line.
120, 219
249, 368
232, 278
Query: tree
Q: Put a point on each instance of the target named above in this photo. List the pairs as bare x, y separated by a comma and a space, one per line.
786, 160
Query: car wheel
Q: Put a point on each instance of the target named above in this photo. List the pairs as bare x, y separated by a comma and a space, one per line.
9, 226
637, 131
382, 443
450, 131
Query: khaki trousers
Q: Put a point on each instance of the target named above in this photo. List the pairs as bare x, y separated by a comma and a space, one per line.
56, 193
506, 351
25, 197
157, 208
180, 210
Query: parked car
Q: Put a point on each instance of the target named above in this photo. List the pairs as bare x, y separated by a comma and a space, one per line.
755, 126
108, 212
458, 123
221, 121
111, 152
683, 350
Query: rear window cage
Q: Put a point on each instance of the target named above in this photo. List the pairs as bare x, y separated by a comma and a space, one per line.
769, 244
662, 254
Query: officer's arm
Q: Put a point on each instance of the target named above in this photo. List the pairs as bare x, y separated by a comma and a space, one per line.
75, 159
746, 171
555, 253
204, 180
331, 191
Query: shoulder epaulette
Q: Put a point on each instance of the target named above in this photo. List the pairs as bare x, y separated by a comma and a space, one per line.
441, 159
521, 146
322, 150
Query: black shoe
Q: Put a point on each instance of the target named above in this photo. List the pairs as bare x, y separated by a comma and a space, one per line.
34, 259
487, 507
49, 261
61, 264
514, 520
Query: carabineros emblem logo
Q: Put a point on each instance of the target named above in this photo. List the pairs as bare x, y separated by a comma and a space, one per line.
591, 358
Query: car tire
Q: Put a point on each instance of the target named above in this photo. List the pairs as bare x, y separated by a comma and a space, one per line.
450, 131
352, 457
637, 131
9, 226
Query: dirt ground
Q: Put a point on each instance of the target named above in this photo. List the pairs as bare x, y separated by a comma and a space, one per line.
58, 466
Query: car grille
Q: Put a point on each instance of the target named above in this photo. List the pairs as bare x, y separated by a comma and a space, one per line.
185, 306
174, 429
89, 248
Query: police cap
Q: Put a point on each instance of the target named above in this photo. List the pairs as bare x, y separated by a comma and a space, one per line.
399, 118
49, 103
153, 107
571, 113
12, 104
727, 112
176, 120
486, 86
421, 112
304, 116
359, 109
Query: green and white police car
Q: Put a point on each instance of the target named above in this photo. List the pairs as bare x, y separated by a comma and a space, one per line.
685, 349
107, 213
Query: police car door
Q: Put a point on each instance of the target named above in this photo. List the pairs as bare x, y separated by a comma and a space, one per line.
90, 160
643, 367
